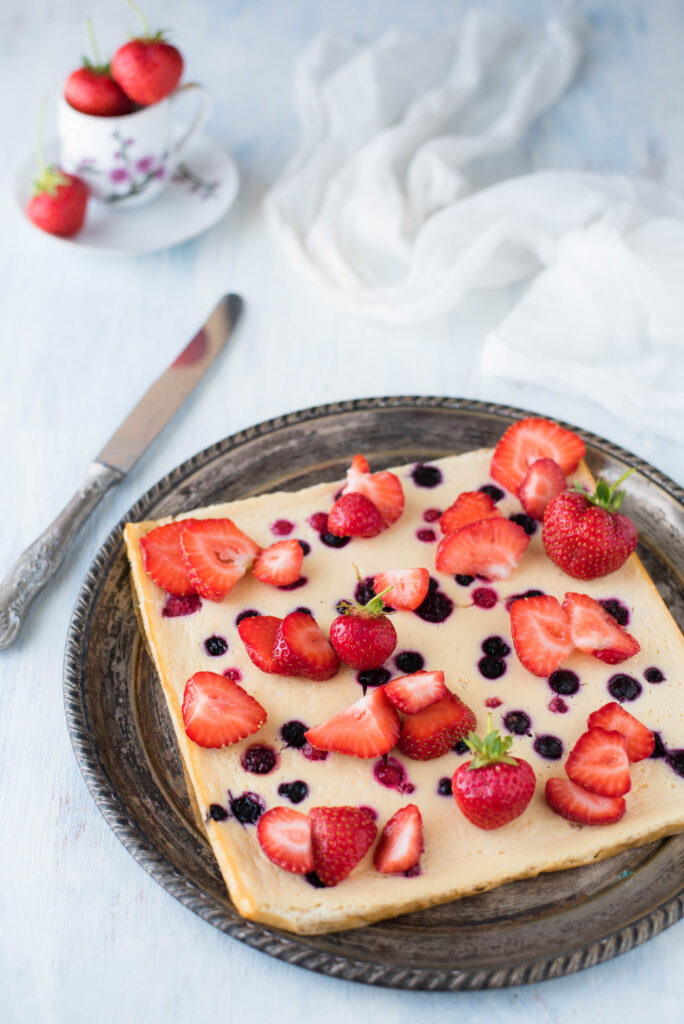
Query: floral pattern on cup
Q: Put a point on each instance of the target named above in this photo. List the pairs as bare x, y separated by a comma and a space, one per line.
184, 175
136, 174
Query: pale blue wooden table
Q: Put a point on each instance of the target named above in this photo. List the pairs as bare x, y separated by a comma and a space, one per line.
85, 934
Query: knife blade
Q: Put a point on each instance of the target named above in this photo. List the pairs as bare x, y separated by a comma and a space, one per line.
40, 561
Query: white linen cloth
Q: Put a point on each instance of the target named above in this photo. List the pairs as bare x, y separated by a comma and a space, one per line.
388, 206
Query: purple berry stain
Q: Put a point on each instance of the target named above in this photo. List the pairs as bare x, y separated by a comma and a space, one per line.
217, 813
564, 682
617, 609
293, 734
427, 536
463, 580
372, 677
319, 522
485, 597
675, 759
370, 811
331, 541
437, 607
549, 747
176, 606
233, 673
247, 808
491, 667
301, 582
519, 597
558, 705
249, 613
259, 759
494, 492
295, 791
623, 687
444, 786
215, 646
305, 546
424, 475
282, 527
391, 773
364, 590
409, 662
312, 754
493, 702
497, 646
527, 522
518, 722
431, 515
654, 675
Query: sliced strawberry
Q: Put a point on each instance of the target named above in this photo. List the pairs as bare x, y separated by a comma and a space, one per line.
595, 631
367, 728
490, 548
541, 634
302, 649
217, 554
469, 507
416, 692
409, 587
285, 837
342, 836
542, 482
280, 564
355, 515
531, 439
576, 804
163, 559
640, 740
434, 731
258, 634
383, 489
217, 711
401, 842
599, 762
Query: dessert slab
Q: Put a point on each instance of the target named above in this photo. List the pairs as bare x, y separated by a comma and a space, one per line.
125, 745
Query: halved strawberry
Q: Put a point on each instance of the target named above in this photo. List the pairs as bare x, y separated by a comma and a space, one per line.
434, 731
490, 548
163, 558
355, 515
416, 692
217, 554
595, 631
258, 633
531, 439
217, 711
341, 836
409, 587
285, 837
541, 633
302, 649
367, 728
401, 842
542, 482
640, 740
469, 507
577, 804
384, 489
279, 564
599, 762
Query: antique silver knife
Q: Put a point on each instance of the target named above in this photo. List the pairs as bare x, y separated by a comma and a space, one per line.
40, 561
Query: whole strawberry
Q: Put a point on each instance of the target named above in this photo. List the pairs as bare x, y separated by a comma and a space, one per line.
493, 788
59, 200
92, 90
147, 68
585, 535
362, 636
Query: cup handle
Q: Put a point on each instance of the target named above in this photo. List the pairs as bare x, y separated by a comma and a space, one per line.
197, 123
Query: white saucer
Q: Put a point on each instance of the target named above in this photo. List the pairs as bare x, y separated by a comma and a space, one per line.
203, 188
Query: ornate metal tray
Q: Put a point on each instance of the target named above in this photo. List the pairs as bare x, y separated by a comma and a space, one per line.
522, 932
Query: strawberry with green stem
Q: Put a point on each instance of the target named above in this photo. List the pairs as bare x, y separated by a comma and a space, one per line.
147, 68
92, 90
493, 788
59, 200
362, 636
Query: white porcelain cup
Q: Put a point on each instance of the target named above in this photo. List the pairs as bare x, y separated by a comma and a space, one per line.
127, 161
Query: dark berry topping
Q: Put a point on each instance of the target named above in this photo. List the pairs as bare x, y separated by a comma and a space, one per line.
364, 591
293, 734
304, 611
217, 813
497, 646
624, 687
295, 792
549, 747
494, 492
444, 786
564, 681
250, 613
491, 667
435, 608
311, 754
372, 677
176, 606
259, 759
391, 773
338, 494
301, 582
282, 527
659, 748
369, 810
313, 879
518, 597
558, 705
432, 584
233, 673
409, 662
426, 535
305, 546
493, 702
617, 609
675, 759
247, 808
461, 747
653, 675
216, 646
412, 872
431, 515
426, 476
517, 722
319, 522
527, 522
334, 542
463, 580
485, 597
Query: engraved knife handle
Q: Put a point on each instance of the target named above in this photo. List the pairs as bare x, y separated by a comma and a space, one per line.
40, 561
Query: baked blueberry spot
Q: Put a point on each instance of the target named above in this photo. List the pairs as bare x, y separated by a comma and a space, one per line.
435, 608
370, 811
617, 609
364, 590
391, 773
519, 597
259, 759
485, 597
558, 705
247, 808
444, 786
305, 546
493, 702
216, 646
301, 582
494, 492
303, 610
282, 527
311, 754
463, 580
319, 522
624, 687
431, 515
461, 747
424, 475
528, 524
564, 681
409, 662
549, 747
313, 879
233, 673
249, 613
659, 747
432, 584
295, 791
653, 675
491, 667
372, 677
497, 646
293, 734
518, 722
176, 606
426, 535
331, 541
675, 759
217, 813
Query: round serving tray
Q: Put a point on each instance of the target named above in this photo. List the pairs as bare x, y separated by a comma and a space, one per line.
122, 737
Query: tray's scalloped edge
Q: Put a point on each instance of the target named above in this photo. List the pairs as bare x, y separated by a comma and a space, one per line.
292, 949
